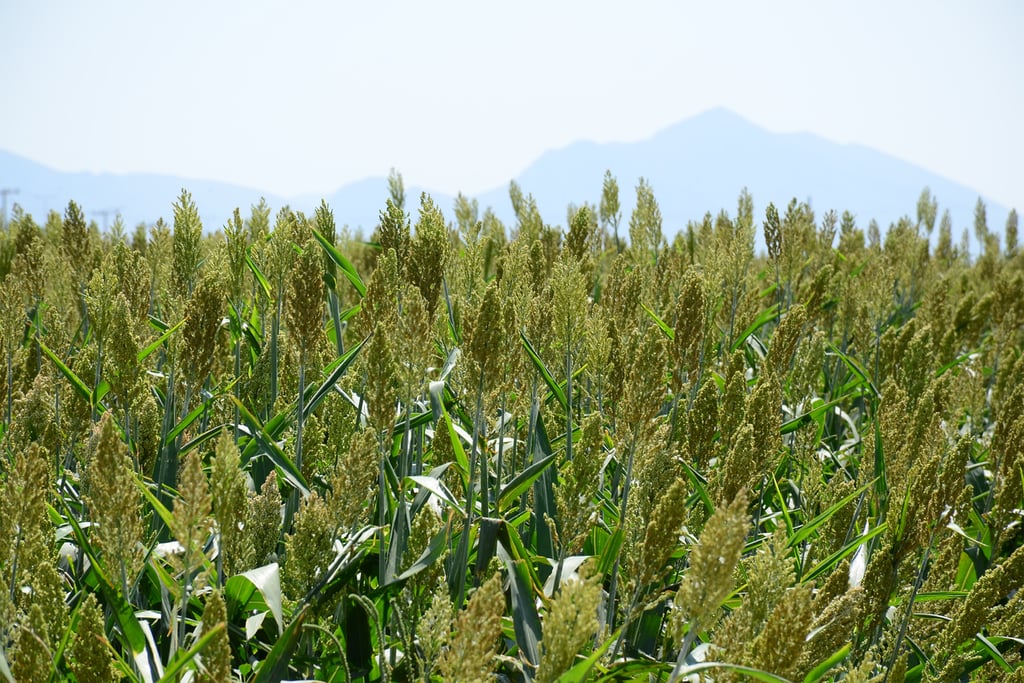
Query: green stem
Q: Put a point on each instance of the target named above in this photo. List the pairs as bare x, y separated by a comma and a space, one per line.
275, 327
463, 551
336, 319
568, 406
238, 365
684, 651
613, 586
10, 383
99, 372
480, 435
501, 444
293, 499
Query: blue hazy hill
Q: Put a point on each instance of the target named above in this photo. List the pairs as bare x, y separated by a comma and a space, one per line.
696, 166
701, 164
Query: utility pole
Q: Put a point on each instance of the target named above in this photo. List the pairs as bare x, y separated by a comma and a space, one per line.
104, 214
3, 194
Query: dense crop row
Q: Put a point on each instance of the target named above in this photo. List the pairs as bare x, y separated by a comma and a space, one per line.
281, 452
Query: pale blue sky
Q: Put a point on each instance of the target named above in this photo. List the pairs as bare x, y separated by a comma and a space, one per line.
297, 97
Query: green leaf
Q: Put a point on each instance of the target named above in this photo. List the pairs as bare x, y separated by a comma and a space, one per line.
436, 487
525, 618
428, 557
610, 551
341, 365
265, 580
783, 507
818, 672
959, 360
700, 487
99, 393
80, 387
185, 658
810, 527
260, 277
461, 461
201, 439
157, 324
267, 434
669, 332
814, 413
932, 596
346, 266
735, 668
835, 558
5, 670
855, 367
901, 522
161, 510
989, 649
156, 344
581, 671
124, 614
629, 669
343, 568
275, 666
763, 319
555, 388
522, 482
350, 312
285, 467
160, 576
189, 419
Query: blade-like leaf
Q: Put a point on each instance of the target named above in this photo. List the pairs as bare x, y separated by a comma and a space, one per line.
81, 388
161, 510
662, 325
5, 670
855, 367
265, 580
818, 672
581, 671
832, 560
133, 634
275, 666
99, 393
461, 461
201, 439
346, 266
428, 557
525, 618
436, 487
522, 482
260, 277
341, 365
990, 650
610, 551
757, 674
763, 319
148, 351
285, 467
189, 419
185, 658
538, 363
814, 413
810, 527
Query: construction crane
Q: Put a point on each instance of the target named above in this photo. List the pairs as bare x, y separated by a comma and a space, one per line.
4, 191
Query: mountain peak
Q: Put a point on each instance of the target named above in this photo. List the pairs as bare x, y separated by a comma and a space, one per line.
714, 119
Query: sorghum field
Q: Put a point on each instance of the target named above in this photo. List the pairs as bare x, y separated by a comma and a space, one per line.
476, 451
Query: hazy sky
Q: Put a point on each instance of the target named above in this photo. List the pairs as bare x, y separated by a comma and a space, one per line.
295, 97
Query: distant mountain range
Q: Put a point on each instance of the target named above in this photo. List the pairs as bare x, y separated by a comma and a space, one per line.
696, 166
